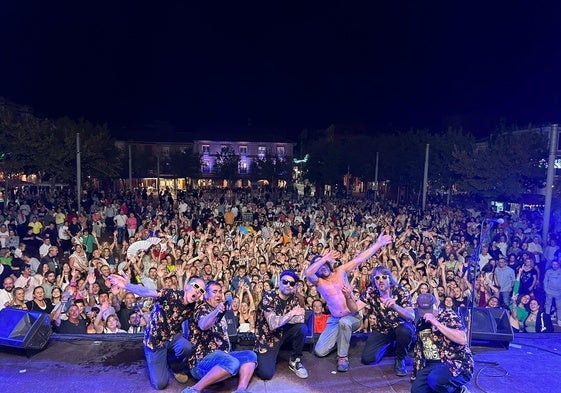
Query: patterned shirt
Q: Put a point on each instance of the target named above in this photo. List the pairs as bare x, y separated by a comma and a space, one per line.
432, 345
265, 338
207, 341
387, 319
166, 319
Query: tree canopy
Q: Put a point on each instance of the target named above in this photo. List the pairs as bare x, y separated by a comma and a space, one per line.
271, 168
227, 164
48, 147
505, 167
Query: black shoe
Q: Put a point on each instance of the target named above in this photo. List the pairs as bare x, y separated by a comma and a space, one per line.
399, 368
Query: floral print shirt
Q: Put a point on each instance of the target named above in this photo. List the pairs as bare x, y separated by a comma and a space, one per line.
265, 338
432, 345
207, 341
166, 318
387, 319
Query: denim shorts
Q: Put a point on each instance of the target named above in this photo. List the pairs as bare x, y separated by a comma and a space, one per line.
230, 362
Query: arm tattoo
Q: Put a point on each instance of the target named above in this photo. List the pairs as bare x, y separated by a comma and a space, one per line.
274, 321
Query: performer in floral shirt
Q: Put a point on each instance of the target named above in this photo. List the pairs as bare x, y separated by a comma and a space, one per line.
443, 360
212, 360
163, 338
391, 304
280, 319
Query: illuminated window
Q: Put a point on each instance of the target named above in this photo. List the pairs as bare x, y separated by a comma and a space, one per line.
243, 167
243, 150
205, 166
261, 151
280, 151
205, 149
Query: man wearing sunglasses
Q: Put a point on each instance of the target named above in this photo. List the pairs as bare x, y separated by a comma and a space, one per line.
391, 304
280, 320
212, 359
164, 341
333, 285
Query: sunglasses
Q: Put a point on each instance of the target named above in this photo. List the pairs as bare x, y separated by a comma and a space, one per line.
198, 288
382, 277
289, 282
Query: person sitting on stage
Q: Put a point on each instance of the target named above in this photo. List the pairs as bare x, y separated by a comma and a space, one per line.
443, 360
212, 360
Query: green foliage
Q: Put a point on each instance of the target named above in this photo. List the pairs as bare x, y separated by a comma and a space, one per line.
506, 167
48, 147
326, 164
271, 168
227, 162
401, 157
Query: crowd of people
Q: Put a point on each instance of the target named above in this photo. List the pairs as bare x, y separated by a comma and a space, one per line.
165, 267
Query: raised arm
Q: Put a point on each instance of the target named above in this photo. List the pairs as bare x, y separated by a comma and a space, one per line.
363, 256
317, 264
141, 290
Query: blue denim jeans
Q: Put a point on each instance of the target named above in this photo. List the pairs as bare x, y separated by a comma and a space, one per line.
436, 377
174, 352
231, 362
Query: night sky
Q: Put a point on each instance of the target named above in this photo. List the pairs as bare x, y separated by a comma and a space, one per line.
274, 65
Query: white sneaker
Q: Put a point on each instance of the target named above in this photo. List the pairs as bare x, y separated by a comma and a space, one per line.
296, 366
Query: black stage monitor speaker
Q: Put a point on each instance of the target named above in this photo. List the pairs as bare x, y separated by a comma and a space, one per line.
233, 324
491, 324
24, 329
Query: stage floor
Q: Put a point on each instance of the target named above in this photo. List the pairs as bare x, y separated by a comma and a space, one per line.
84, 365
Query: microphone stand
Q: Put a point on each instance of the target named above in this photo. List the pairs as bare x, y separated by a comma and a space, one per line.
474, 261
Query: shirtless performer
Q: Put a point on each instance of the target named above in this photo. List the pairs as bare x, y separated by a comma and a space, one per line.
334, 287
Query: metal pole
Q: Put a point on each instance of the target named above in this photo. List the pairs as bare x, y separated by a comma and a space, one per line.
78, 172
158, 174
348, 180
130, 167
549, 182
376, 176
426, 176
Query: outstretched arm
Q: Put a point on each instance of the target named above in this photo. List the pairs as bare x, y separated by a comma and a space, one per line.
121, 282
363, 256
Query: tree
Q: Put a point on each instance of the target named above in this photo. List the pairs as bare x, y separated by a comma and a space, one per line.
99, 156
271, 168
442, 147
227, 164
325, 165
185, 163
506, 167
48, 148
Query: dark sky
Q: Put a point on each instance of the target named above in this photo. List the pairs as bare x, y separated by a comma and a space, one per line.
289, 67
